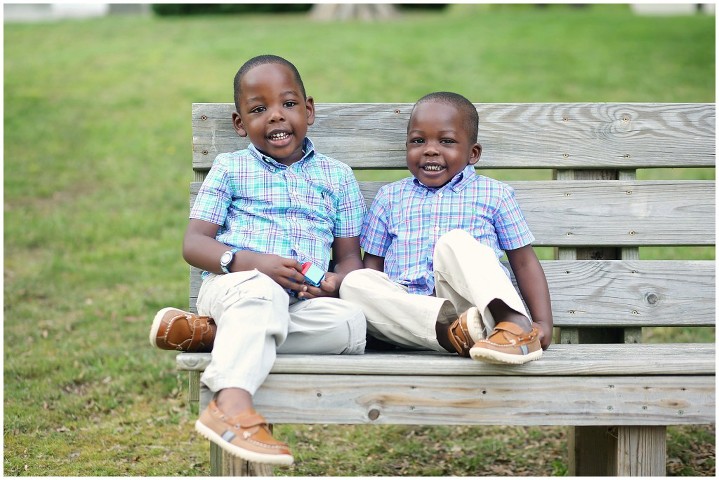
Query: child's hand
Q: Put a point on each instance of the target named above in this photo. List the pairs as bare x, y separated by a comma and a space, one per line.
545, 334
329, 287
285, 271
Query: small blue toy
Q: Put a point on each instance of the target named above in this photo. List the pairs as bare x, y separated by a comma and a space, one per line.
313, 274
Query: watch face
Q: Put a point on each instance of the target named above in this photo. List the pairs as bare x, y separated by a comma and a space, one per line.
226, 258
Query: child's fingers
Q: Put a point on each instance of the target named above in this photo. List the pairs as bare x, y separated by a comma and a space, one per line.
291, 280
307, 292
326, 289
329, 283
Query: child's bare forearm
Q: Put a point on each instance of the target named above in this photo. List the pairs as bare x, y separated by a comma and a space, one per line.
374, 262
201, 250
534, 289
348, 264
199, 247
540, 310
346, 252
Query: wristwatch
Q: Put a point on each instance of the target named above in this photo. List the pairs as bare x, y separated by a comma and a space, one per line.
226, 259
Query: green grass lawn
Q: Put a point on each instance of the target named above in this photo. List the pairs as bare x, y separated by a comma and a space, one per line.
96, 172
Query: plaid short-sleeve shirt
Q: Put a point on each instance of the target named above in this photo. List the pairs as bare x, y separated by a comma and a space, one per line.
407, 218
267, 207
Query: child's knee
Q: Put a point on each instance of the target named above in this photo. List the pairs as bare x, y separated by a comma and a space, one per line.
327, 325
356, 280
462, 241
351, 280
454, 237
349, 326
356, 332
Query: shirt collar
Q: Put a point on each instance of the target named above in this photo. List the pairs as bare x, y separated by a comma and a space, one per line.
457, 184
308, 150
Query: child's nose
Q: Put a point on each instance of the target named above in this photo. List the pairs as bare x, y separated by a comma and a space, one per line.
431, 149
276, 115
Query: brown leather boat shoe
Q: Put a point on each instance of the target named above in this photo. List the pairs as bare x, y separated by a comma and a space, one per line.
508, 344
246, 436
174, 329
465, 331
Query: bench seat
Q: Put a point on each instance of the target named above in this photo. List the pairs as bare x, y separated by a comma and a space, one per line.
612, 384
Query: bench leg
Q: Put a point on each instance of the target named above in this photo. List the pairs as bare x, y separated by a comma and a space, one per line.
225, 465
194, 392
617, 451
642, 451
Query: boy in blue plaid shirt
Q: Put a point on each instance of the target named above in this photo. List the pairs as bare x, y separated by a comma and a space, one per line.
432, 246
260, 214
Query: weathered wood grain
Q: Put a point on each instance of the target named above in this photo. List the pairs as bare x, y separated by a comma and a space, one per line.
623, 293
641, 451
533, 135
617, 213
475, 400
617, 451
559, 360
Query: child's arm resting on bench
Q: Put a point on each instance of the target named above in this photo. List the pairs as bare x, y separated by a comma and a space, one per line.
533, 287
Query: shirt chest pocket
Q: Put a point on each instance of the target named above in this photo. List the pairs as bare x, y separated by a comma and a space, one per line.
319, 203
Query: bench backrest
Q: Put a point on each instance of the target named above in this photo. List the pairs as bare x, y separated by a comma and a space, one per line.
593, 207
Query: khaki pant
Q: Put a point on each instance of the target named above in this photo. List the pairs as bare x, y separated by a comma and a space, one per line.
467, 274
256, 319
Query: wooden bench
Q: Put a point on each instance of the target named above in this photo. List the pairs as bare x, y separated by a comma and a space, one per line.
615, 393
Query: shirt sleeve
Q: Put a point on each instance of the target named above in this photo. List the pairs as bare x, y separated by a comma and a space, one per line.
375, 238
351, 208
215, 195
511, 226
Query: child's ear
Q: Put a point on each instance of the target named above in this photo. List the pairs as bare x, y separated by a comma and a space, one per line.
475, 153
310, 106
239, 126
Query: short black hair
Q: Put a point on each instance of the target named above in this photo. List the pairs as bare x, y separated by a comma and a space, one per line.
263, 60
466, 108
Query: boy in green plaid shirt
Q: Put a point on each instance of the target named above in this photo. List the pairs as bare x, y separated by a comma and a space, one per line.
261, 214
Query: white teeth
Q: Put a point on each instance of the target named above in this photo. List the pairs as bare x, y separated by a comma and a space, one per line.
433, 168
279, 136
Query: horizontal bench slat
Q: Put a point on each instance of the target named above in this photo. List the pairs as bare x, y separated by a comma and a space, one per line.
558, 360
621, 213
486, 400
619, 293
534, 135
620, 384
598, 293
608, 213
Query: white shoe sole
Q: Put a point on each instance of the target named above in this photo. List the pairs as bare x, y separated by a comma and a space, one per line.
156, 322
492, 356
240, 452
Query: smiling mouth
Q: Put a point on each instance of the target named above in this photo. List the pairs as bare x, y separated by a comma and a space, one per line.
278, 136
433, 168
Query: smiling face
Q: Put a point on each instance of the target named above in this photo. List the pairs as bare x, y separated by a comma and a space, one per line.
273, 112
438, 143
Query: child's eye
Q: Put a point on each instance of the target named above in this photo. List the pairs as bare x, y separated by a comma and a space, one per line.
258, 109
447, 140
290, 104
416, 140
